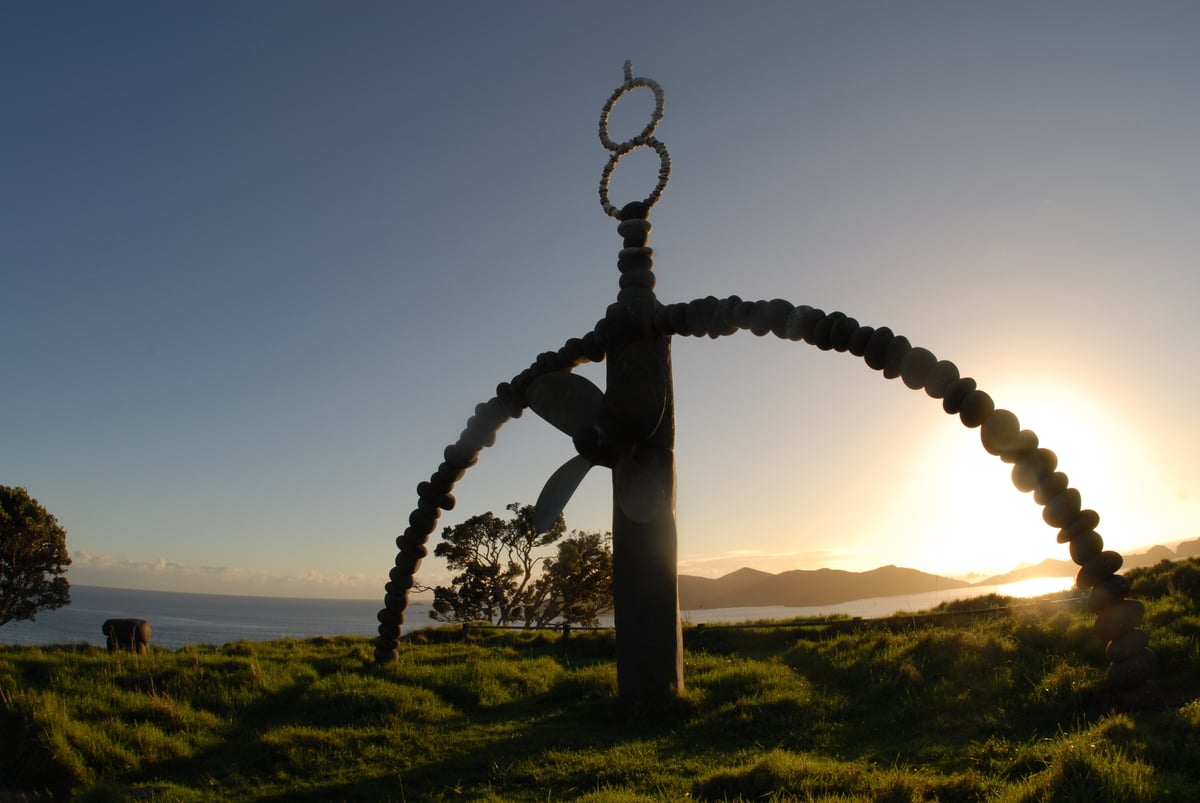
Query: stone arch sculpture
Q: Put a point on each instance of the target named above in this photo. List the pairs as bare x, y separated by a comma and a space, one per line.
629, 428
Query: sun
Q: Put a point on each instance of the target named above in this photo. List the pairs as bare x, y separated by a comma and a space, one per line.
974, 521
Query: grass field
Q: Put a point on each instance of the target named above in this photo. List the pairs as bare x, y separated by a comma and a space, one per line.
1007, 706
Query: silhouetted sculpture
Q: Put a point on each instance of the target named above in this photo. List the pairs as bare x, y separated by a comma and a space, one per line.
630, 428
131, 635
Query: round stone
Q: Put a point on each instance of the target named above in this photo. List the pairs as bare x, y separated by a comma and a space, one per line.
1135, 671
1117, 620
634, 231
398, 583
1125, 647
877, 348
823, 334
843, 331
1108, 591
741, 314
895, 355
943, 375
473, 437
514, 405
1050, 487
548, 361
460, 455
809, 322
412, 543
1098, 568
427, 492
422, 520
389, 617
1062, 509
916, 367
571, 353
795, 321
698, 317
406, 566
1086, 546
957, 391
1033, 468
637, 258
1025, 442
760, 319
778, 311
593, 346
1086, 520
860, 339
446, 475
723, 323
976, 407
999, 430
637, 280
708, 315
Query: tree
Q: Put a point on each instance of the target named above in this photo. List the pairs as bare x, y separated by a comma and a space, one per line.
496, 560
33, 557
576, 585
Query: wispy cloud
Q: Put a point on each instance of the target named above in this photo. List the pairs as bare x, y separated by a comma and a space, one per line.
165, 575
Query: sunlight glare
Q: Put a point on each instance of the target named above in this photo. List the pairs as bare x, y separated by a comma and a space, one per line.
978, 522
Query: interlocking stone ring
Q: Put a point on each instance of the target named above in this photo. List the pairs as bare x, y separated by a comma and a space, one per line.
645, 139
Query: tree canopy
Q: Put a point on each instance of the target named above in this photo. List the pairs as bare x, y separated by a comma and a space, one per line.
33, 557
499, 581
576, 584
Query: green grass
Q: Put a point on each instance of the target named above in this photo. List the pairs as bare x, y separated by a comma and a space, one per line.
1005, 707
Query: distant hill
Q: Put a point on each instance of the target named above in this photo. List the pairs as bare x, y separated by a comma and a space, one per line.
1189, 549
1065, 568
752, 588
746, 588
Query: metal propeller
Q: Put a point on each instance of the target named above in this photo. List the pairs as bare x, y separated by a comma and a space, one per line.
575, 406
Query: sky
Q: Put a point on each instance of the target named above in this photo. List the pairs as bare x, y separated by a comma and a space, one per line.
260, 261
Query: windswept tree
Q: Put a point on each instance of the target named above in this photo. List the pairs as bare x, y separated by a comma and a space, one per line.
33, 557
496, 561
575, 587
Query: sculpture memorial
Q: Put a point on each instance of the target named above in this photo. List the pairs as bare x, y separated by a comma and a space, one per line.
630, 428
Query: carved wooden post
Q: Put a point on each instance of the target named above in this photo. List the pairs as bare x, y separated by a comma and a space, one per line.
645, 551
640, 401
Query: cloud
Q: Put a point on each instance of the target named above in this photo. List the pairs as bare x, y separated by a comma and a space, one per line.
164, 575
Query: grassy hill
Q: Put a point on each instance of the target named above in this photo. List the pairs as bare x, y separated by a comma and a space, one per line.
1007, 706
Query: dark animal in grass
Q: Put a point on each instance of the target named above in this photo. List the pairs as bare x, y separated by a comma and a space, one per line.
132, 635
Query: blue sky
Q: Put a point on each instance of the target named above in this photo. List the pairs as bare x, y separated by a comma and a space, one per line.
260, 261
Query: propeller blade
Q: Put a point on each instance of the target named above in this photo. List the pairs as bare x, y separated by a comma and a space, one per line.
567, 401
558, 491
643, 484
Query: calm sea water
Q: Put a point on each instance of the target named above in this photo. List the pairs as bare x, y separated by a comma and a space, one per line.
177, 620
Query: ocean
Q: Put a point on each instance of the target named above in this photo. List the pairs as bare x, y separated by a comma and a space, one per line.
179, 620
